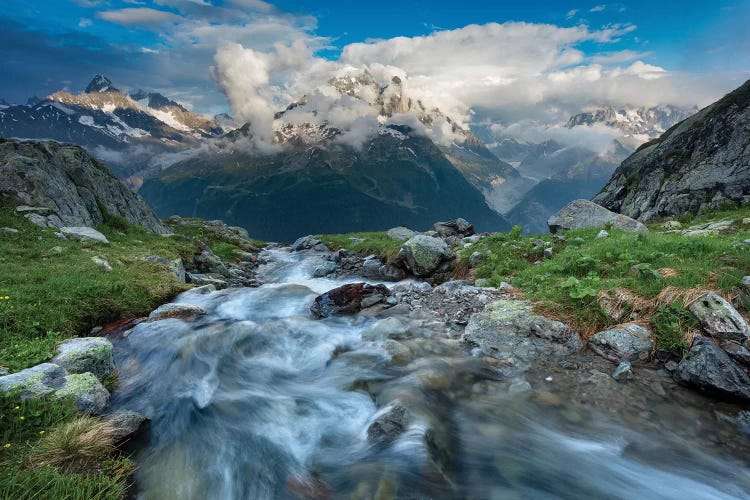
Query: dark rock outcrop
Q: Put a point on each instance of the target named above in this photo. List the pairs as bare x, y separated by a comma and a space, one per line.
698, 164
348, 299
711, 370
75, 188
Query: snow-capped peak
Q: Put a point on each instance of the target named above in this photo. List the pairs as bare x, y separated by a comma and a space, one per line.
100, 83
650, 122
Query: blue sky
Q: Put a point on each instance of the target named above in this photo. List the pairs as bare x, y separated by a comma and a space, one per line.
170, 45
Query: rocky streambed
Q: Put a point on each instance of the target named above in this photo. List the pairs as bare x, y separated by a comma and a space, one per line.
290, 390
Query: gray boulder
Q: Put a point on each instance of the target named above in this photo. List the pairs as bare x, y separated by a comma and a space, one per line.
87, 393
509, 331
400, 233
389, 272
124, 424
216, 280
719, 318
456, 227
210, 263
84, 234
176, 310
584, 213
86, 354
62, 185
324, 269
307, 243
36, 382
711, 370
422, 254
628, 342
177, 267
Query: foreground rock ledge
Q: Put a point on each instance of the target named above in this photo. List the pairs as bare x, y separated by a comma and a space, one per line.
348, 299
584, 213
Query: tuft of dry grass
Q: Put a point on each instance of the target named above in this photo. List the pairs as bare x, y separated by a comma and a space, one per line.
668, 272
685, 296
78, 446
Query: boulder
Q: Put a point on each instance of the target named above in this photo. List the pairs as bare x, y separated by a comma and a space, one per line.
719, 318
348, 299
389, 272
711, 370
87, 393
456, 227
210, 263
216, 280
124, 424
400, 233
476, 258
103, 263
84, 233
388, 328
629, 342
423, 255
307, 243
36, 382
509, 331
398, 352
177, 267
86, 354
324, 269
584, 213
390, 424
176, 310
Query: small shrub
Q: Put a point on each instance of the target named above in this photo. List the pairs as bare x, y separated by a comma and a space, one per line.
673, 326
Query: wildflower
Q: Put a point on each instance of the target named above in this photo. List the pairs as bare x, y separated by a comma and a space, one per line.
7, 445
17, 408
41, 433
22, 417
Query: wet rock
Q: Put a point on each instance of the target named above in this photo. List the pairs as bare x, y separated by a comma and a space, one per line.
176, 310
670, 366
628, 342
35, 382
371, 268
215, 280
711, 370
87, 393
348, 299
125, 424
400, 233
86, 354
509, 331
84, 234
624, 371
307, 243
399, 353
719, 318
388, 328
389, 425
388, 272
324, 269
103, 263
456, 227
423, 255
203, 290
584, 213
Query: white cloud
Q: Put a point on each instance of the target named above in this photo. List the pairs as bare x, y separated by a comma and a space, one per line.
85, 22
598, 8
571, 13
138, 16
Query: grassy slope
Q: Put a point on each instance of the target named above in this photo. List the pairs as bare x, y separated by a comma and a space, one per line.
56, 293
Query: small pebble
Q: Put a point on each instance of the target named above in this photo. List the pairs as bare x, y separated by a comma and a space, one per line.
624, 370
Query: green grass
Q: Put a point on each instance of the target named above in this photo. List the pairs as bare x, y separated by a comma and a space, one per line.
364, 243
567, 285
24, 426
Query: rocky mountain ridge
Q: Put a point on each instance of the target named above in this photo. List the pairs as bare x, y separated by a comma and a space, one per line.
698, 164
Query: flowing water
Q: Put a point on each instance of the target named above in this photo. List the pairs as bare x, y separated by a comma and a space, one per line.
258, 400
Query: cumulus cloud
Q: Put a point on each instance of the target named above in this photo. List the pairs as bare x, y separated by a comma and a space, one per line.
598, 8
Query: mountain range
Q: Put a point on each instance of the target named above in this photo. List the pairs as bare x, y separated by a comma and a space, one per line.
189, 164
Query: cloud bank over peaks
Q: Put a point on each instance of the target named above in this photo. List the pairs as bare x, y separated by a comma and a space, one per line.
511, 73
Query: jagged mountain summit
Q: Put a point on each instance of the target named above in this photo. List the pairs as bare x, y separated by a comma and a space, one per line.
112, 125
314, 180
643, 123
700, 163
